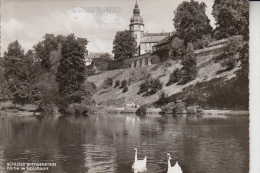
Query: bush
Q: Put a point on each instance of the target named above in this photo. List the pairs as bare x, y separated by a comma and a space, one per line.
107, 83
123, 83
230, 56
117, 83
150, 87
169, 108
162, 99
125, 89
203, 42
189, 65
141, 110
175, 77
77, 109
194, 110
180, 107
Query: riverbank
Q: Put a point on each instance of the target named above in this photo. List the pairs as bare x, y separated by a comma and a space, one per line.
9, 109
227, 112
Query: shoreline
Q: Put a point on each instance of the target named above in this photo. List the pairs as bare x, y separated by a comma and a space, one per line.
8, 109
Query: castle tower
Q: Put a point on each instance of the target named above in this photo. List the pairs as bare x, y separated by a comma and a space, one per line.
136, 26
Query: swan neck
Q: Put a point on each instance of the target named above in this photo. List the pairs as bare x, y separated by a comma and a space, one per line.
169, 163
135, 156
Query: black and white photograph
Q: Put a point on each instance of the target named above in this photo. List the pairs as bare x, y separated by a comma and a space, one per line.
125, 86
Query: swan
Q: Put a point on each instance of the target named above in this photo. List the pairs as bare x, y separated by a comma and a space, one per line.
139, 165
175, 169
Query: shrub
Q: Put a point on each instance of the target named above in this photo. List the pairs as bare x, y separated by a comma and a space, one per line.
150, 87
194, 110
175, 77
162, 99
203, 42
117, 83
180, 107
169, 108
123, 83
141, 110
125, 89
230, 57
143, 87
77, 109
107, 83
189, 65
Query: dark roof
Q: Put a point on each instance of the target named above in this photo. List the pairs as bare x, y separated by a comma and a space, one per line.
152, 39
166, 39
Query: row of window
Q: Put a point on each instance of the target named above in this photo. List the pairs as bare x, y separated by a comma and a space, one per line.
147, 44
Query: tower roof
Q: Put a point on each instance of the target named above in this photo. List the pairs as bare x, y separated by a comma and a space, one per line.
136, 18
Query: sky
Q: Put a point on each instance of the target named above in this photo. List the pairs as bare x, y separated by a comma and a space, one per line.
96, 20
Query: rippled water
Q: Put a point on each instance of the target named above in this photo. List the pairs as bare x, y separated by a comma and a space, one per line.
105, 143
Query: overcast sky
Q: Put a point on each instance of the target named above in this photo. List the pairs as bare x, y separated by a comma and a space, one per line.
28, 20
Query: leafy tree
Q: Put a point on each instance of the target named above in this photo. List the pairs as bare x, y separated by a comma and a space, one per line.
189, 65
16, 73
125, 89
175, 77
141, 111
232, 18
108, 82
124, 45
117, 83
123, 83
169, 108
44, 48
191, 21
150, 87
244, 59
71, 71
230, 56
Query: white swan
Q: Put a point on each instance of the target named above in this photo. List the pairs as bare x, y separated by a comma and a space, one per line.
175, 169
139, 165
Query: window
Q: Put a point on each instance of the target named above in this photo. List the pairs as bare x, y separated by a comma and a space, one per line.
139, 26
135, 35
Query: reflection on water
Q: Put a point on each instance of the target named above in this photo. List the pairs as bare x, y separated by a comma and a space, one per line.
105, 143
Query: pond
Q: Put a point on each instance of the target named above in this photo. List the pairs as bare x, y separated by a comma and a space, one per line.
106, 143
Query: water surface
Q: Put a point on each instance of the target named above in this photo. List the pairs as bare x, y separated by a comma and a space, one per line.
105, 143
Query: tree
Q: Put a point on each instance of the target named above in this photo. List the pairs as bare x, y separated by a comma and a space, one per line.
71, 71
189, 65
16, 73
232, 18
191, 21
123, 83
175, 76
230, 56
44, 48
124, 45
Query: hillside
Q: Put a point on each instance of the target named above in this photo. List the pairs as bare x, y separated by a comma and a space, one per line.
209, 83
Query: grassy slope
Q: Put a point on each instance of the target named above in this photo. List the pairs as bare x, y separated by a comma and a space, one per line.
207, 72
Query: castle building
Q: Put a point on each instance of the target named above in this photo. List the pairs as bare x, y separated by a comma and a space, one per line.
144, 41
136, 26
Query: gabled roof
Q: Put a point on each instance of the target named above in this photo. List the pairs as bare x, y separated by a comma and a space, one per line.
166, 39
153, 37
